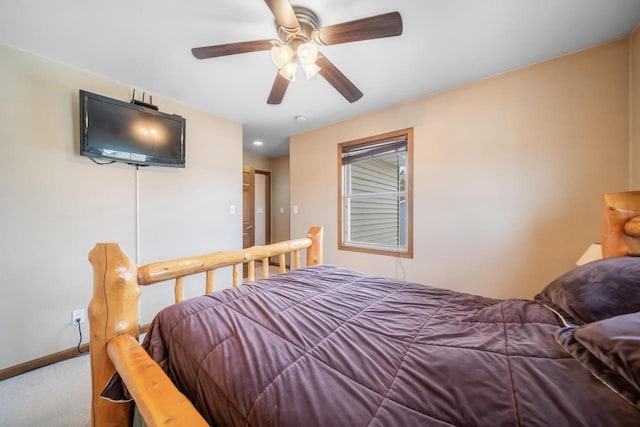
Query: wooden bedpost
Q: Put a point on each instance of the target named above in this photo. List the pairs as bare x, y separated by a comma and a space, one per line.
114, 281
621, 224
314, 252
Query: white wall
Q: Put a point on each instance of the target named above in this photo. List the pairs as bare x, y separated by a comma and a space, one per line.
508, 174
55, 205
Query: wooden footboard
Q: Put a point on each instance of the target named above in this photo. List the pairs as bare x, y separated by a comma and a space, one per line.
114, 324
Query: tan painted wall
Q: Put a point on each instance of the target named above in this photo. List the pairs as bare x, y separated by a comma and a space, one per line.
256, 161
280, 211
634, 53
508, 173
55, 204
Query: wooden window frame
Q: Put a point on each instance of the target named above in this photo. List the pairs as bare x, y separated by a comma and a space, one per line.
409, 190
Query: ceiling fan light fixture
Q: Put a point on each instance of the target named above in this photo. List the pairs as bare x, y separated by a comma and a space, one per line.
289, 70
310, 70
307, 52
281, 55
299, 37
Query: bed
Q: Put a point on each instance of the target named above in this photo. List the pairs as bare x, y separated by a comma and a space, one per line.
324, 345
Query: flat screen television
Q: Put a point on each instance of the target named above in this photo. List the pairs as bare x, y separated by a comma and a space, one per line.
130, 133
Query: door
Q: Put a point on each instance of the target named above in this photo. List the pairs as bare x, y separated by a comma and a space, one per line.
248, 200
248, 208
256, 209
262, 207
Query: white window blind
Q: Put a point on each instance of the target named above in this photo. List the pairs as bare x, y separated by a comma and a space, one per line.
375, 194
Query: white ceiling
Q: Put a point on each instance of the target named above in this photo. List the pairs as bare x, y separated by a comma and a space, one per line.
146, 45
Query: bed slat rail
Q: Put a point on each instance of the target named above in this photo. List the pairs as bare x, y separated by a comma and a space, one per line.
210, 281
169, 270
179, 269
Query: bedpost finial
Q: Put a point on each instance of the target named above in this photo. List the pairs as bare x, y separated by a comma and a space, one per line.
314, 252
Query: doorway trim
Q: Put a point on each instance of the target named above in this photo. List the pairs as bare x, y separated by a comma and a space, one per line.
267, 204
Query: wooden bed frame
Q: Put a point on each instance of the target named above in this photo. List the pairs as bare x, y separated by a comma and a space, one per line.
113, 311
114, 325
621, 224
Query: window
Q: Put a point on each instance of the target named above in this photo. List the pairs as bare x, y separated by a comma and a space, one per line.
375, 209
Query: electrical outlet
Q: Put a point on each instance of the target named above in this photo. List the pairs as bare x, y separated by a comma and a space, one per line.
78, 314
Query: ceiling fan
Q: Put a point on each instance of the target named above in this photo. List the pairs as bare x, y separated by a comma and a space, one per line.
300, 35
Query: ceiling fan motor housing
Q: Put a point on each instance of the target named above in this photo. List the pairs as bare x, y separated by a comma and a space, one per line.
309, 22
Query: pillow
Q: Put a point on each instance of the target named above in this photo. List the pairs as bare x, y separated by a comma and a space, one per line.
616, 343
610, 349
595, 291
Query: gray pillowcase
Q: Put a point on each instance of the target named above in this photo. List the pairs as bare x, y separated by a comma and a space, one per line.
610, 349
595, 291
616, 343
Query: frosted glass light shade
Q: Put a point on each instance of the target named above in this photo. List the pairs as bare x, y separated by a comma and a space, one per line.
288, 71
310, 70
281, 55
308, 53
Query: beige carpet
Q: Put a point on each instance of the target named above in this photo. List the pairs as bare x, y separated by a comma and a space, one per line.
58, 395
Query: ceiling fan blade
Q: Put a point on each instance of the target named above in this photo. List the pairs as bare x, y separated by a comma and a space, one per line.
284, 14
338, 80
278, 89
231, 49
374, 27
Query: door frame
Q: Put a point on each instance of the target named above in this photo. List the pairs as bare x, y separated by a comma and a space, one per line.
267, 204
248, 208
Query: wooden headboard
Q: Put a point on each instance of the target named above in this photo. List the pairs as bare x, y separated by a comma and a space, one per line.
621, 224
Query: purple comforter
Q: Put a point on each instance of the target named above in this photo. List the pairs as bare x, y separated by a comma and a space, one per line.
326, 346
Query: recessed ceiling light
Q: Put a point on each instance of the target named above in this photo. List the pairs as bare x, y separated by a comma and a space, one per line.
300, 118
258, 143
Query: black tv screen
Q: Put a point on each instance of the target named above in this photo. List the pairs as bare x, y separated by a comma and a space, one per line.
130, 133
